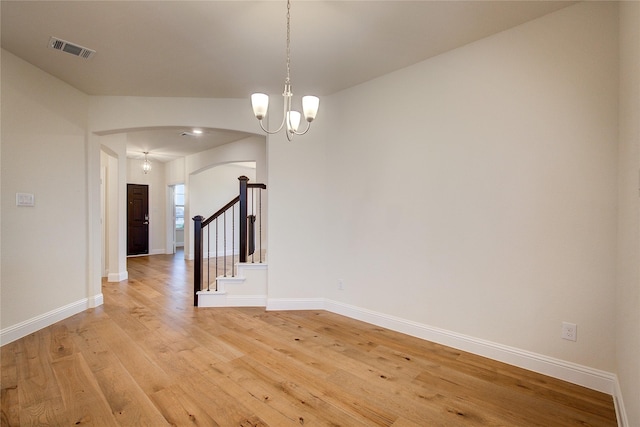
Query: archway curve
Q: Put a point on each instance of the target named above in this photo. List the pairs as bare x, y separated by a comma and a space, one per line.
110, 116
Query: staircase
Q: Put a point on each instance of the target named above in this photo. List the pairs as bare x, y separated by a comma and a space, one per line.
247, 289
220, 281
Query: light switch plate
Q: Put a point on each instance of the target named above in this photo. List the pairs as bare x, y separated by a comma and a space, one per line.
25, 199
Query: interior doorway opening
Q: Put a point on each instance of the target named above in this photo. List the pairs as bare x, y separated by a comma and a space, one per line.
176, 201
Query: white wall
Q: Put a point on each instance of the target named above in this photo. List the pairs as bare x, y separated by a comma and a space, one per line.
44, 258
476, 192
210, 190
472, 194
155, 179
116, 204
174, 171
627, 328
298, 210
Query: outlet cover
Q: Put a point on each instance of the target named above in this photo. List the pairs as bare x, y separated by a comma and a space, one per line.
569, 331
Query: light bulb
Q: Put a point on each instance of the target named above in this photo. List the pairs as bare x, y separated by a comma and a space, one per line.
310, 106
260, 104
293, 121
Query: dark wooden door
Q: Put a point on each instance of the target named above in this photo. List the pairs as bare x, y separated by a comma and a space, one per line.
137, 219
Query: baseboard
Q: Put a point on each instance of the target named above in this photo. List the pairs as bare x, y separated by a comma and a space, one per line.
222, 299
118, 277
34, 324
621, 413
96, 300
577, 374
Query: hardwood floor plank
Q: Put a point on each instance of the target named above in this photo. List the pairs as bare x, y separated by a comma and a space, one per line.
61, 344
48, 412
128, 402
148, 375
274, 391
83, 400
342, 406
179, 410
9, 401
37, 382
429, 410
403, 422
271, 416
148, 357
224, 409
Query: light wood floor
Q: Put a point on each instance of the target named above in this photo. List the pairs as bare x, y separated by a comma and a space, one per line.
147, 357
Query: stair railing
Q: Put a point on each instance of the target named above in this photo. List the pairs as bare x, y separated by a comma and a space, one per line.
249, 200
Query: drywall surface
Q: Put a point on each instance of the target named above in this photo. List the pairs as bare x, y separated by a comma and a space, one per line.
44, 257
628, 289
210, 190
476, 191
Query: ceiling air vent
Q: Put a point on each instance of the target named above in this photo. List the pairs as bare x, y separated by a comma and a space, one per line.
73, 49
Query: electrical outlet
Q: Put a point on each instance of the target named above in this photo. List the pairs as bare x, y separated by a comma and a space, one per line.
569, 331
340, 284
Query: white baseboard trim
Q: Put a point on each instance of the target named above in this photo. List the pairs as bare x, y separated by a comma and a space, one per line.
34, 324
585, 376
222, 299
118, 277
96, 300
577, 374
621, 413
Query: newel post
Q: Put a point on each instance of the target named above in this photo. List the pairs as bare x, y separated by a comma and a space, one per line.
197, 257
243, 218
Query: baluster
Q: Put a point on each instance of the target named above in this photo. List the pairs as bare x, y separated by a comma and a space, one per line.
253, 237
260, 223
197, 248
224, 231
243, 217
208, 257
216, 254
233, 241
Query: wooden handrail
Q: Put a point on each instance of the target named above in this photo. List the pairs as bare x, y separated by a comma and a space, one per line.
221, 211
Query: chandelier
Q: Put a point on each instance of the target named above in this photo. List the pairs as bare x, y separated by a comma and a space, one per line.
146, 165
260, 101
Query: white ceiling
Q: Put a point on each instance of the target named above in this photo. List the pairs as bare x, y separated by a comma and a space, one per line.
230, 49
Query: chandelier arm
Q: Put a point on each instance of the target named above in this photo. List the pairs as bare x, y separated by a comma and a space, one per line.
272, 132
305, 131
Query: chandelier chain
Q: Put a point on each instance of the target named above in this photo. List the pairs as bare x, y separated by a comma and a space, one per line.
288, 40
